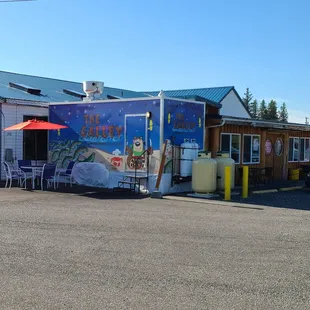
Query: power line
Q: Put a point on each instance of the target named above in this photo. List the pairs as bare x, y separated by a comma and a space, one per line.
16, 0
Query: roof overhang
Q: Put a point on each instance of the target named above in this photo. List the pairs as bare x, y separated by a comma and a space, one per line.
266, 124
201, 99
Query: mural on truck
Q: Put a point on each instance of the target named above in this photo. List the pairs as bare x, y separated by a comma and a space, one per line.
137, 142
184, 120
112, 133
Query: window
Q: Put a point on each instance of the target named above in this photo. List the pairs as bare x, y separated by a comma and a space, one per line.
299, 149
305, 149
35, 141
230, 143
251, 149
293, 153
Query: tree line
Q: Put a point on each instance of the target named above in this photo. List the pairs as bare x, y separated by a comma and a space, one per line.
263, 110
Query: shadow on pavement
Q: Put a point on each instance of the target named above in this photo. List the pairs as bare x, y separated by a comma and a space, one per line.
97, 193
298, 200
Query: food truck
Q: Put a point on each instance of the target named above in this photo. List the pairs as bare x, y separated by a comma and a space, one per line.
106, 137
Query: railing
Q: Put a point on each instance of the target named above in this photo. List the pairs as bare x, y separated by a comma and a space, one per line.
176, 161
139, 158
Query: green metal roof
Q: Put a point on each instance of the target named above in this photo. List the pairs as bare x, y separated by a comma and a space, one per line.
213, 94
51, 90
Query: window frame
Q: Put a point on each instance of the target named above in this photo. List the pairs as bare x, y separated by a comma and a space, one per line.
299, 150
305, 138
259, 158
294, 161
230, 144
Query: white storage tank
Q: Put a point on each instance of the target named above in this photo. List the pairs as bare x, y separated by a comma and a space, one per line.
223, 160
204, 174
188, 155
195, 147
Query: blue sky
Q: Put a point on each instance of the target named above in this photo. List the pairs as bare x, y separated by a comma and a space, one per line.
165, 44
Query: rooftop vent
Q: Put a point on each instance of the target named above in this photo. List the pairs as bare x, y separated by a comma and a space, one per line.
74, 93
113, 97
91, 88
26, 88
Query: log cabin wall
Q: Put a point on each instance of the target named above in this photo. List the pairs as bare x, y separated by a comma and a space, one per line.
244, 130
279, 162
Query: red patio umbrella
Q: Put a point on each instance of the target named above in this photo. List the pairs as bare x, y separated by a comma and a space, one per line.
35, 124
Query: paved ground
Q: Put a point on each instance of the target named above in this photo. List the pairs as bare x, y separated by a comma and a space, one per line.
62, 251
299, 200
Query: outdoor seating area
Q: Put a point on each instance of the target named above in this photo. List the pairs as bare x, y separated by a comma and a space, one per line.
259, 175
39, 175
265, 177
45, 176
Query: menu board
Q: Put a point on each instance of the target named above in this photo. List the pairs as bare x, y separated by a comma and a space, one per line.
268, 147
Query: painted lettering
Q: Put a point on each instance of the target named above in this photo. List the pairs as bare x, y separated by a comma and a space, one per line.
104, 134
83, 132
119, 130
86, 118
91, 132
180, 116
111, 131
98, 130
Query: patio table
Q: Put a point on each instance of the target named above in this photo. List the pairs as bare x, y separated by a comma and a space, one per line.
35, 171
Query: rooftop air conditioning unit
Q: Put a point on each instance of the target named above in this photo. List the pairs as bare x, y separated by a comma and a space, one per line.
92, 88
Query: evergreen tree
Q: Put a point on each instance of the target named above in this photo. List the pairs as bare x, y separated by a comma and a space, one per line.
272, 111
247, 99
283, 114
262, 114
254, 109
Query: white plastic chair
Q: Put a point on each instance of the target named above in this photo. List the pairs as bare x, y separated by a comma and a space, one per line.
11, 175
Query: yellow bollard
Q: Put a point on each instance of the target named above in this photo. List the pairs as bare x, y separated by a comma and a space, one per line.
227, 183
245, 182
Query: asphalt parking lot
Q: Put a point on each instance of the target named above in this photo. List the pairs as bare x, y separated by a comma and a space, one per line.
64, 251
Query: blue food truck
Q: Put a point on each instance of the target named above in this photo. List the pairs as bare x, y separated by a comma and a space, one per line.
114, 133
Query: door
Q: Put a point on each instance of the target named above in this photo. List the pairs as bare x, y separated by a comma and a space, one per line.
274, 153
35, 141
135, 142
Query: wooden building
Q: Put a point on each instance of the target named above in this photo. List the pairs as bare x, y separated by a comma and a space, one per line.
271, 149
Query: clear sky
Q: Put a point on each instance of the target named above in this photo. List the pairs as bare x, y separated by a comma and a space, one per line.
165, 44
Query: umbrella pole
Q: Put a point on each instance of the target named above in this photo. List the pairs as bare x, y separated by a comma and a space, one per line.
36, 146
